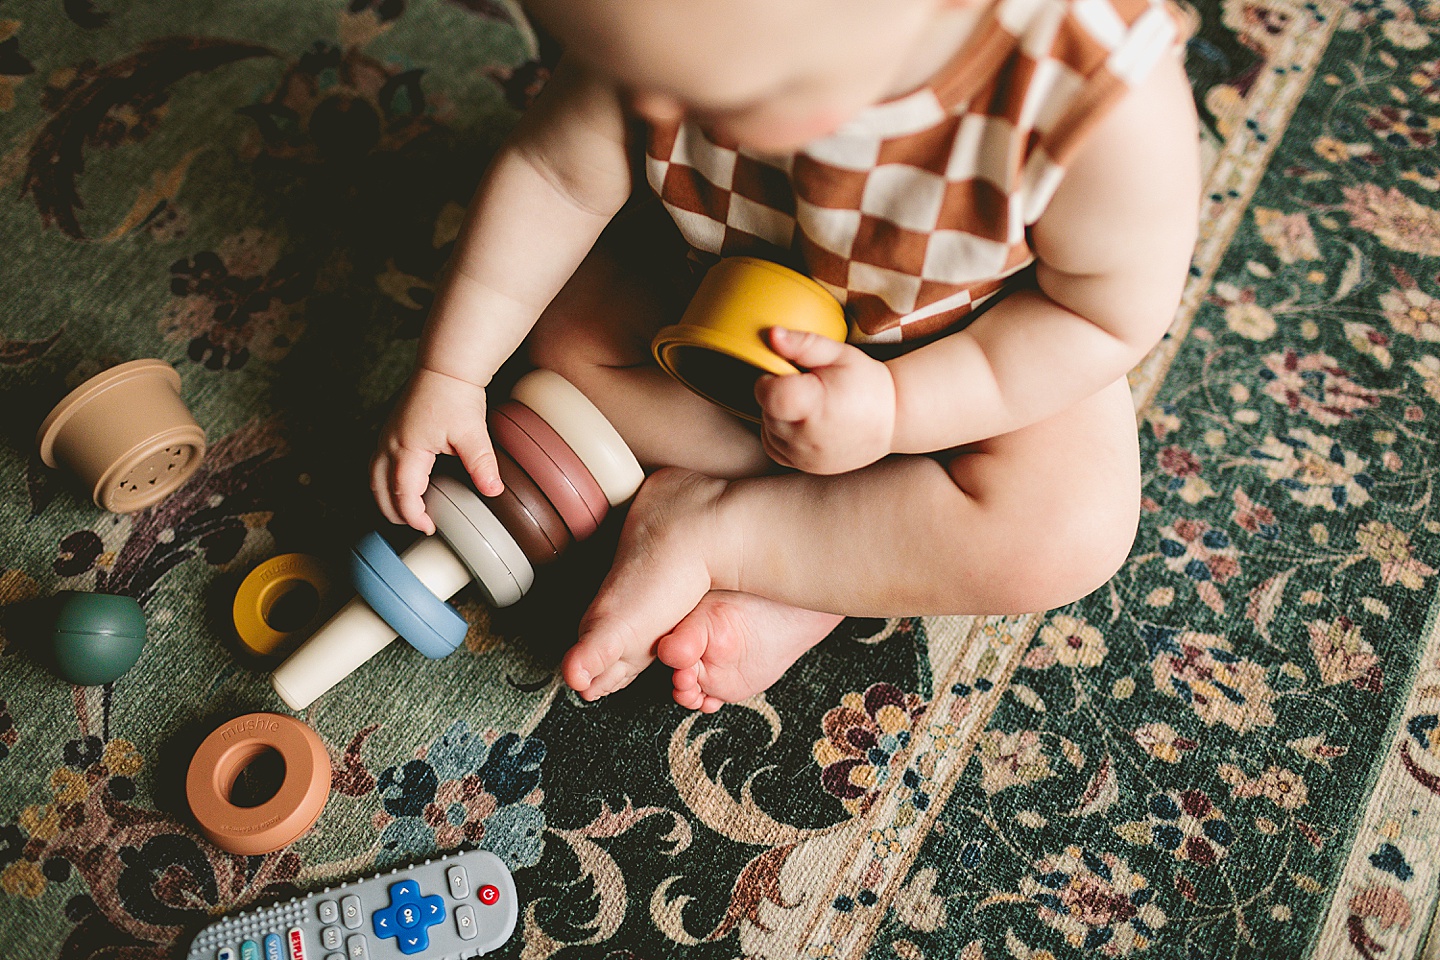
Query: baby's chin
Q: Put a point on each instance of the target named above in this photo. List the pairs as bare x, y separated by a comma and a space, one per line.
777, 138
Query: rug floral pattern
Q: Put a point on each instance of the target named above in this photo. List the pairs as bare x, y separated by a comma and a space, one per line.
1231, 751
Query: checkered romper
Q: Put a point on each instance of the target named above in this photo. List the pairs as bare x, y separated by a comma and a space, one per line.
916, 211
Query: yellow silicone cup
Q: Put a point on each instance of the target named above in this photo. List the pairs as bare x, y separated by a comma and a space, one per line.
258, 622
718, 348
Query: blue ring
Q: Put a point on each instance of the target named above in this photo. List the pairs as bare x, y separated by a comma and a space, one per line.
427, 623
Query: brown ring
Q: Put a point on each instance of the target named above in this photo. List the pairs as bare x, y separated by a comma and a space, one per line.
523, 510
564, 456
279, 821
550, 462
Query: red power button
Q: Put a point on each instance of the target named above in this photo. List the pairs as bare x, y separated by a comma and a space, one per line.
489, 895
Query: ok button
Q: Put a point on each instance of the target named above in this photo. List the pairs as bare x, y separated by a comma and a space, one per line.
409, 917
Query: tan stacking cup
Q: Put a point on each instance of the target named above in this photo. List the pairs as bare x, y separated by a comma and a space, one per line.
127, 434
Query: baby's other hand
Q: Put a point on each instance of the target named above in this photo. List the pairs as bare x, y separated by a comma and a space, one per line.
836, 415
436, 414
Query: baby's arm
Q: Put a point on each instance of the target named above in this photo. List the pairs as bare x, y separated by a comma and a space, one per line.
1113, 251
544, 200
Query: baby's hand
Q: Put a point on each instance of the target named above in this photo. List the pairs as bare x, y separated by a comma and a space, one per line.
436, 414
837, 415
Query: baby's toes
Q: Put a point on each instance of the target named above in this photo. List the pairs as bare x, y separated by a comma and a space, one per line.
682, 647
589, 659
687, 689
615, 677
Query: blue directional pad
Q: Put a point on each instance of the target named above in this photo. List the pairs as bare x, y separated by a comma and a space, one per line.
409, 917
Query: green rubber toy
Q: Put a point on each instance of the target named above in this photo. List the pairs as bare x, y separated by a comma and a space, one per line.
97, 637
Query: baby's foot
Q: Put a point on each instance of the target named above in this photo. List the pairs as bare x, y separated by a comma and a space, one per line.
734, 645
660, 573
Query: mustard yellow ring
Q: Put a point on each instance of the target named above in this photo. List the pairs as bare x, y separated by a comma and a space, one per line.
737, 301
266, 586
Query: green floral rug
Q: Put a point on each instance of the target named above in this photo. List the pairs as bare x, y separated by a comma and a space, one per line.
1231, 751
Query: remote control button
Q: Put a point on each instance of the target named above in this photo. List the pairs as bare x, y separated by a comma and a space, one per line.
328, 911
383, 920
358, 947
225, 953
489, 895
407, 915
414, 941
274, 949
459, 882
331, 938
334, 956
432, 910
249, 950
350, 912
296, 939
465, 922
404, 890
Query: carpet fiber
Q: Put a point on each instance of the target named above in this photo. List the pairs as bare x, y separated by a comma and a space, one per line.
1230, 751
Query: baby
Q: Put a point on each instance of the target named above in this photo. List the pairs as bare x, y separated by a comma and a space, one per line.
1003, 195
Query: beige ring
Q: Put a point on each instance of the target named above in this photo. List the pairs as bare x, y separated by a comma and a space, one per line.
279, 821
584, 428
479, 539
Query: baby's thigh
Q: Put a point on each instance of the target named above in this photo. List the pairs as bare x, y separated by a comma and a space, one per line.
631, 284
1070, 483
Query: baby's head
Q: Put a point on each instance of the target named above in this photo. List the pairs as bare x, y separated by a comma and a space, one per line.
769, 74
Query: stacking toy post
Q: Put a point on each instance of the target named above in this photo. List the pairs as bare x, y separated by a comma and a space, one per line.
563, 465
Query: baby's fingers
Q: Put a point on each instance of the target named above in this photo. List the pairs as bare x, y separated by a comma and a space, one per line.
408, 481
478, 458
806, 350
790, 397
380, 487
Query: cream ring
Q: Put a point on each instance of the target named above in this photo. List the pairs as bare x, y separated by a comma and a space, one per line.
584, 428
480, 541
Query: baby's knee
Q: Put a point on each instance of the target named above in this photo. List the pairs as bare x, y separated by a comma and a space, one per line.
1083, 548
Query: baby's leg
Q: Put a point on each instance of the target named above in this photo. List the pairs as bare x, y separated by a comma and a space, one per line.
1028, 521
597, 332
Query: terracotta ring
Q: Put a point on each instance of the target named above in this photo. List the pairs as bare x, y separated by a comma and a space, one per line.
279, 821
264, 588
523, 510
580, 424
540, 452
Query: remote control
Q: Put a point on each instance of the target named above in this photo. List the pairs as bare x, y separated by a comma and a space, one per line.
457, 906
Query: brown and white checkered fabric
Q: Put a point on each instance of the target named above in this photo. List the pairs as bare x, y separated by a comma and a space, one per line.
916, 211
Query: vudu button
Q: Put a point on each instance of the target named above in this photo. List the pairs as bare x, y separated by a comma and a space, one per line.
274, 947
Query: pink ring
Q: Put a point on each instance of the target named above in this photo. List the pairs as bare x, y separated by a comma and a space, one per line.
554, 467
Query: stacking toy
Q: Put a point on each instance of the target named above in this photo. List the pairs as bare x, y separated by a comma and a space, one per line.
127, 434
527, 515
97, 637
563, 465
552, 464
718, 348
279, 602
278, 821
